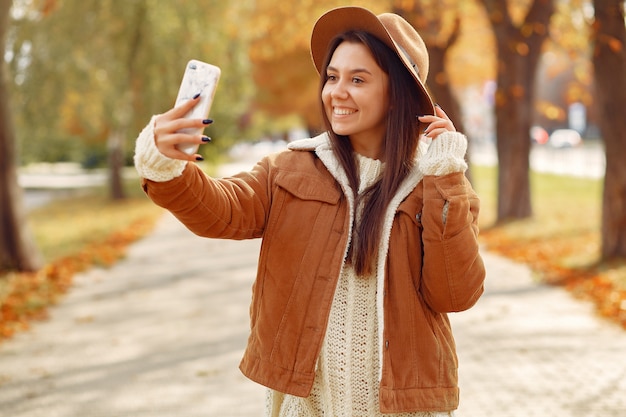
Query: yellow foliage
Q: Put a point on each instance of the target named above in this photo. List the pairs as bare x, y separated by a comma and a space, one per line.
550, 111
522, 48
279, 52
80, 116
280, 34
615, 44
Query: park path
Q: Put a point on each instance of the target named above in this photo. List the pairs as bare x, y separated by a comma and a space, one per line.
161, 333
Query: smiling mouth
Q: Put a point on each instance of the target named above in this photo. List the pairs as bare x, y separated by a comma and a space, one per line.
343, 111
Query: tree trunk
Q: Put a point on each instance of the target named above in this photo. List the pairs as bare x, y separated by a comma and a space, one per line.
17, 247
122, 122
116, 164
519, 49
440, 90
437, 82
609, 63
512, 110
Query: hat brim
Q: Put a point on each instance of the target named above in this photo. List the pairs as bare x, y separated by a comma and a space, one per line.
343, 19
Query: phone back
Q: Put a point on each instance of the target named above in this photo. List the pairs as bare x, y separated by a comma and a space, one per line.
199, 77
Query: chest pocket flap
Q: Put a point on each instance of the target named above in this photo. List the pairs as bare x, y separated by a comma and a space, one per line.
308, 187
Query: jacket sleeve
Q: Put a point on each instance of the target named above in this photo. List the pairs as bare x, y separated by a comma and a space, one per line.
233, 208
229, 208
453, 272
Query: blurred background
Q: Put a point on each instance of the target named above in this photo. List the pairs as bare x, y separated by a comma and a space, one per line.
85, 76
536, 85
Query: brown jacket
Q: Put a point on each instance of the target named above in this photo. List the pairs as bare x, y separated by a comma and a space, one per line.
429, 265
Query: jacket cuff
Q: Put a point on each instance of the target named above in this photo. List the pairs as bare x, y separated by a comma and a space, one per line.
445, 155
150, 162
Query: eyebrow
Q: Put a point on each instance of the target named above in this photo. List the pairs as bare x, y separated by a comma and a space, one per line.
354, 71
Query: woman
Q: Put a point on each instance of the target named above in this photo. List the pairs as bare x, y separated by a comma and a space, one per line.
369, 234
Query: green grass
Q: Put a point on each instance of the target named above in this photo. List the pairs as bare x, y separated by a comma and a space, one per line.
561, 205
64, 227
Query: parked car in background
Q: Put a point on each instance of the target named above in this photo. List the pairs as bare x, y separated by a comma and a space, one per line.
539, 135
565, 138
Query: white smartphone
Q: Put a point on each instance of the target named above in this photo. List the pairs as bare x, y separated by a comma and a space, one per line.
202, 78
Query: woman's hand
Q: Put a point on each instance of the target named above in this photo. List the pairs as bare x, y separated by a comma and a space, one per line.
166, 135
437, 124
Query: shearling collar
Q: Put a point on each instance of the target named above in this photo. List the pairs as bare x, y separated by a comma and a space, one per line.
323, 149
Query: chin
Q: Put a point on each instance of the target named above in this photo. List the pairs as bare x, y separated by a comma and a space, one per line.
341, 131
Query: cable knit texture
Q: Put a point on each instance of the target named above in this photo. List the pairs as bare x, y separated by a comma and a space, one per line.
346, 380
150, 162
446, 154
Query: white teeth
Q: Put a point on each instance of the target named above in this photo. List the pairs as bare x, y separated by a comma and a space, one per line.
343, 112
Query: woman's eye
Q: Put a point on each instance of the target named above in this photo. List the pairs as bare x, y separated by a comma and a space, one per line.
357, 80
331, 77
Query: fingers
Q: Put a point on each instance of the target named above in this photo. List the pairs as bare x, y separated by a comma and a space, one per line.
164, 125
437, 124
182, 109
439, 112
170, 145
172, 129
175, 153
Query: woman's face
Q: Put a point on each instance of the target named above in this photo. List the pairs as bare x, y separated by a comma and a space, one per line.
356, 99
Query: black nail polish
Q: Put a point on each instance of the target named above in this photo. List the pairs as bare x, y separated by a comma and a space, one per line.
196, 96
207, 121
206, 139
199, 158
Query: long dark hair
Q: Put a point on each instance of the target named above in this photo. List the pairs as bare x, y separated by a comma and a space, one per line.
400, 142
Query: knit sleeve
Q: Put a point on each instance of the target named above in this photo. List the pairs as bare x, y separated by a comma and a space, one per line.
150, 162
445, 155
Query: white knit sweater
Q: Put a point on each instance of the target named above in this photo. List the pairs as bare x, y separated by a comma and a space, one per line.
346, 380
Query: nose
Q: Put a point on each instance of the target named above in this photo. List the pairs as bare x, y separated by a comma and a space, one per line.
339, 90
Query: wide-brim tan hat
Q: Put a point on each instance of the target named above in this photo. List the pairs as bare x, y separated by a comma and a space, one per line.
390, 28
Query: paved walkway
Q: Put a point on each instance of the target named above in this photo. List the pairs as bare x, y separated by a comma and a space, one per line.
161, 334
